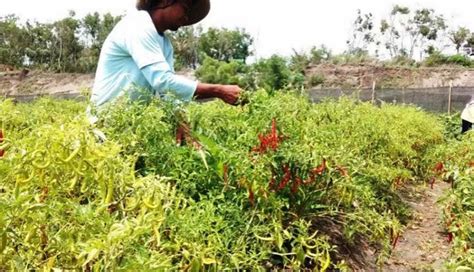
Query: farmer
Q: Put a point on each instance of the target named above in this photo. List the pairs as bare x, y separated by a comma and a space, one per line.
137, 55
467, 116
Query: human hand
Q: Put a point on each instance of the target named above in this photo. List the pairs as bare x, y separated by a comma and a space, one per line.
230, 94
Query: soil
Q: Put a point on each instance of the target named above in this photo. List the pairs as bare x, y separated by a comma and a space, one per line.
13, 83
423, 246
25, 83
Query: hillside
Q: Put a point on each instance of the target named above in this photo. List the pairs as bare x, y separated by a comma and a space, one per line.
363, 76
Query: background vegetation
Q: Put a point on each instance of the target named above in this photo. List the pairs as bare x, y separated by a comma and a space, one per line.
403, 37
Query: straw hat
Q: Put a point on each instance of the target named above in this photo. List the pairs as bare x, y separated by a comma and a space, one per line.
199, 8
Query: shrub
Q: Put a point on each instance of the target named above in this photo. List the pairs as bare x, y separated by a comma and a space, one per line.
316, 80
437, 58
221, 72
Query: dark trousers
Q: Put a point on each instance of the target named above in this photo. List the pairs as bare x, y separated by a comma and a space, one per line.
466, 126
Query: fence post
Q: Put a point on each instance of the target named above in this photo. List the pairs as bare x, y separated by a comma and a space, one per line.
450, 96
373, 92
403, 95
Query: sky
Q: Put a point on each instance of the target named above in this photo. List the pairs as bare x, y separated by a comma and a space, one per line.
278, 26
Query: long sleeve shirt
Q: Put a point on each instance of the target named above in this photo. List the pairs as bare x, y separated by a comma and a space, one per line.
136, 58
468, 112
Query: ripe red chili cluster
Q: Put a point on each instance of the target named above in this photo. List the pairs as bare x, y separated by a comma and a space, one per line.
269, 141
439, 168
251, 197
296, 181
2, 152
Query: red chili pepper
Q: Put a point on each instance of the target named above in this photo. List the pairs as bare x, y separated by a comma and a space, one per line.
269, 141
432, 182
439, 167
296, 184
395, 241
274, 130
342, 170
251, 197
286, 177
320, 169
179, 135
450, 237
310, 179
272, 182
2, 152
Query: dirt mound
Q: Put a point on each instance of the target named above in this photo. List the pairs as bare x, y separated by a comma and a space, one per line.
363, 76
16, 82
26, 83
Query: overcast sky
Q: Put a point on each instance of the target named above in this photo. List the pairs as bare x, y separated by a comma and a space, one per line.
278, 26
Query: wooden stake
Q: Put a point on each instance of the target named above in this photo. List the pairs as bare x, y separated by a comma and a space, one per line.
450, 96
373, 92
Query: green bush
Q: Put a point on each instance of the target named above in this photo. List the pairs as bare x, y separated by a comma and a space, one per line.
437, 58
316, 80
460, 60
272, 74
221, 72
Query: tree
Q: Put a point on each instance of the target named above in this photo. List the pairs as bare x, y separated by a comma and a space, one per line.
392, 31
273, 73
94, 30
40, 48
66, 32
225, 45
459, 37
469, 46
363, 33
299, 61
12, 39
405, 32
425, 26
185, 42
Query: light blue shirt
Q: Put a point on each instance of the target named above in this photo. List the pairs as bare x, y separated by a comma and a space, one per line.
134, 58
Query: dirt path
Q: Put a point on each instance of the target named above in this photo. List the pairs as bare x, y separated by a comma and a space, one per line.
423, 245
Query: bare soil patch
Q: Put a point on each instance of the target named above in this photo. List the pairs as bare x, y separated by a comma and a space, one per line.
363, 76
13, 83
423, 245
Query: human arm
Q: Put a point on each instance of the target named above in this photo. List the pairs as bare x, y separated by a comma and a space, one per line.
227, 93
164, 81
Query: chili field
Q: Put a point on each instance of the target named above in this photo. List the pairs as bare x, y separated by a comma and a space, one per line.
279, 183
